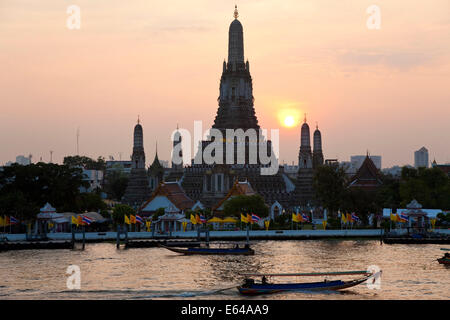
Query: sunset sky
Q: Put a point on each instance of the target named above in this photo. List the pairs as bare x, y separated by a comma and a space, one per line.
386, 91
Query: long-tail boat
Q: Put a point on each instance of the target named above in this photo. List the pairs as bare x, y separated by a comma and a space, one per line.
446, 258
235, 250
250, 287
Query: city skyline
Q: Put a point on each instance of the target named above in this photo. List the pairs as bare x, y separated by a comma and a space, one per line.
373, 90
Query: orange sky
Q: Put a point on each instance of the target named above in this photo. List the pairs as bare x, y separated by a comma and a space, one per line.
386, 91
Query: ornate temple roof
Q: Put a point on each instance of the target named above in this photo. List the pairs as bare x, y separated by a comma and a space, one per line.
239, 188
367, 176
174, 193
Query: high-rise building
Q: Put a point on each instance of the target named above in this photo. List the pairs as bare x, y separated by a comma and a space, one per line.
421, 158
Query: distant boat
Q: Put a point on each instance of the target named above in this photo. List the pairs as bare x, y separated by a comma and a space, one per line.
236, 250
250, 287
446, 258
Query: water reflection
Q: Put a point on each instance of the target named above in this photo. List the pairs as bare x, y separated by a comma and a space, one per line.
409, 271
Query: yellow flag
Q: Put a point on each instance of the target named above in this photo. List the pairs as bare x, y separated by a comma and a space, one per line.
294, 217
2, 222
127, 220
74, 220
193, 220
344, 218
433, 222
184, 223
148, 224
132, 219
267, 223
243, 218
324, 223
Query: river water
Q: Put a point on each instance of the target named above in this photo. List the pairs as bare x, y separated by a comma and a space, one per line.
409, 271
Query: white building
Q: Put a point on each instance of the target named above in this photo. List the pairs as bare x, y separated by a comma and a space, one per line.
95, 179
421, 158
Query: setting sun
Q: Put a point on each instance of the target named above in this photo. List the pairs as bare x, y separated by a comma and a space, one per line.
289, 121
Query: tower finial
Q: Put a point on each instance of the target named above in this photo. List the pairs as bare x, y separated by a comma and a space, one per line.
138, 119
317, 125
236, 13
305, 117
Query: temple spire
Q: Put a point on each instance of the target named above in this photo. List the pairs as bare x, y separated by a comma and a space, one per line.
138, 119
236, 13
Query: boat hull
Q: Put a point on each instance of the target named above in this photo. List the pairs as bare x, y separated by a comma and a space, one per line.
444, 261
211, 251
258, 289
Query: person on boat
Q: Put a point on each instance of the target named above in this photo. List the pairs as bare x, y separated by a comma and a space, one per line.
237, 246
247, 246
447, 255
264, 280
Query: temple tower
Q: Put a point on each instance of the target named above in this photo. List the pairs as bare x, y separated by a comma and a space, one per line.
305, 155
317, 151
137, 190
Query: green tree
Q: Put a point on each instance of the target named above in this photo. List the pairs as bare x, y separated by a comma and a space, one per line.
33, 185
158, 213
120, 211
246, 204
329, 184
85, 162
116, 184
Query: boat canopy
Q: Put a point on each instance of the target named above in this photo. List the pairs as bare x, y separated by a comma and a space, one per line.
310, 274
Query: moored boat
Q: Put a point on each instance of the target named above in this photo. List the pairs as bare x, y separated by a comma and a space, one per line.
246, 250
446, 258
250, 287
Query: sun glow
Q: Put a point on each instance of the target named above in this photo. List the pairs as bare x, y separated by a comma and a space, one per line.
289, 118
289, 121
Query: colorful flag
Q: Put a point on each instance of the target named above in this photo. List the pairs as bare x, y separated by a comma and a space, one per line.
324, 223
13, 220
79, 220
433, 223
193, 220
349, 217
86, 220
343, 218
2, 222
139, 219
255, 218
74, 220
299, 217
197, 218
249, 218
6, 221
127, 220
305, 217
355, 218
202, 219
132, 219
244, 218
393, 217
294, 218
403, 217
